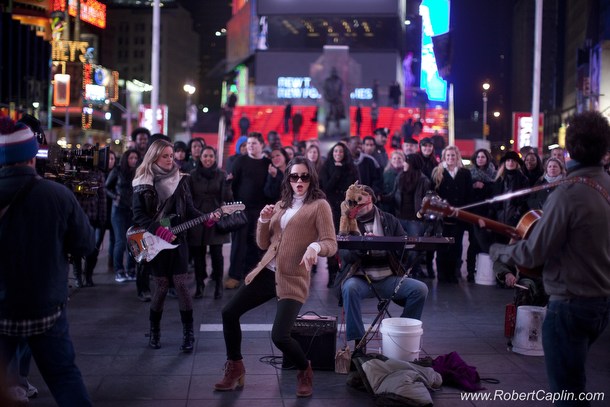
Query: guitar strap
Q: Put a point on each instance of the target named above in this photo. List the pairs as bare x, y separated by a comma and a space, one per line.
167, 204
593, 184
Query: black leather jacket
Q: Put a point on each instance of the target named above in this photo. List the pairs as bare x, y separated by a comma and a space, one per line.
146, 205
118, 185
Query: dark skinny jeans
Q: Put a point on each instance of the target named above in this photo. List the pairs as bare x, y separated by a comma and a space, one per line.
247, 297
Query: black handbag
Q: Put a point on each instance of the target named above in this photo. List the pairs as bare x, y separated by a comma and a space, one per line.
232, 222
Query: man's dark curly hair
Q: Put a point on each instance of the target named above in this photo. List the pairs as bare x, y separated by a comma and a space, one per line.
588, 137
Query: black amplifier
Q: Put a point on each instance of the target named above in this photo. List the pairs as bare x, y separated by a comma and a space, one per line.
317, 336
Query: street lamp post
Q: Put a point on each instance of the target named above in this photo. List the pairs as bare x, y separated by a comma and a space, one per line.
486, 87
189, 89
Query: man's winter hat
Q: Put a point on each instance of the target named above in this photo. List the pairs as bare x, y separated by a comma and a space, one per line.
17, 142
410, 140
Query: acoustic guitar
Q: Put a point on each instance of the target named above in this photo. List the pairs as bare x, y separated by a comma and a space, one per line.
434, 205
144, 246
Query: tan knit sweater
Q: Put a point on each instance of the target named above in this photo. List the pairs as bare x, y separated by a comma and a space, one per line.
312, 223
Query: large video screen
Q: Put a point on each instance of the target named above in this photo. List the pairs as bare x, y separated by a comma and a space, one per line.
435, 21
326, 7
372, 33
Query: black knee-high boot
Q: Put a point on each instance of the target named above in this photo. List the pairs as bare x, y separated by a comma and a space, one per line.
188, 336
155, 329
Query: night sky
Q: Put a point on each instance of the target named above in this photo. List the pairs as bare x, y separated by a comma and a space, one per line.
482, 52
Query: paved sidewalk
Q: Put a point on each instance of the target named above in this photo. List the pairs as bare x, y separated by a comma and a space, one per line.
108, 326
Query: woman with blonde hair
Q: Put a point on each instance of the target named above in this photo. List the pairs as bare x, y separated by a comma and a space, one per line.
453, 183
392, 169
161, 194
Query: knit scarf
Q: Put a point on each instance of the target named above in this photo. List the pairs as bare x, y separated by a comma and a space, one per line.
486, 175
375, 264
371, 217
165, 182
550, 179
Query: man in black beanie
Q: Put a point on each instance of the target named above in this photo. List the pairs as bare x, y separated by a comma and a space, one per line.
44, 216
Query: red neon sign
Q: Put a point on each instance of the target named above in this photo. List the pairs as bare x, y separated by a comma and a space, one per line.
91, 11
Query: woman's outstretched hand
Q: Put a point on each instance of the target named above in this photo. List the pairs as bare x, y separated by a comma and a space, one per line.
267, 212
309, 258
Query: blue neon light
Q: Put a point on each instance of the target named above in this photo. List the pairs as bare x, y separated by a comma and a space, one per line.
435, 21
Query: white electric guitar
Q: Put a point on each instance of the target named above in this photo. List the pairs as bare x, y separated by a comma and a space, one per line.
144, 246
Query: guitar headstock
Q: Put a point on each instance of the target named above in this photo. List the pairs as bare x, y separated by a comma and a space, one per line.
231, 207
433, 205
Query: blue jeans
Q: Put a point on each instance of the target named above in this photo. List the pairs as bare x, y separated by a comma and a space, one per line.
19, 367
569, 329
121, 221
411, 296
54, 356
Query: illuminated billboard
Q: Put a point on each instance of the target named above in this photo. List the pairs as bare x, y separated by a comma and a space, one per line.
523, 125
91, 11
325, 7
435, 21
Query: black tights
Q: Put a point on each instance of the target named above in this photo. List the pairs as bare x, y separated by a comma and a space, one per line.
185, 302
247, 297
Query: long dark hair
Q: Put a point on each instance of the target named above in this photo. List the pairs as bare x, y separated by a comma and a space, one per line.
313, 192
347, 161
485, 151
124, 168
416, 163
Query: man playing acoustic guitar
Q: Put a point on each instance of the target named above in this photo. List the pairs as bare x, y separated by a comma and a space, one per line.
572, 243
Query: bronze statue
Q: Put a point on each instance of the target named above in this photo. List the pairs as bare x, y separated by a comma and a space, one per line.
333, 94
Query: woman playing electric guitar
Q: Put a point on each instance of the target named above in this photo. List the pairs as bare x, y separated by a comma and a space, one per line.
159, 186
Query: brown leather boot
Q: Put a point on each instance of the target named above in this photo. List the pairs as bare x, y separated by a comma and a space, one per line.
305, 382
234, 377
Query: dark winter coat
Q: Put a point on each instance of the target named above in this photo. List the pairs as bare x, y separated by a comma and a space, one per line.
334, 181
146, 201
510, 211
209, 189
118, 185
35, 239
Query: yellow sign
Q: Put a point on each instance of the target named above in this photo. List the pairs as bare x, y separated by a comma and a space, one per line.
69, 51
486, 130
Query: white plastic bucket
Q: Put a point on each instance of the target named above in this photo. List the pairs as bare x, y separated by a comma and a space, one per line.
401, 338
527, 339
485, 273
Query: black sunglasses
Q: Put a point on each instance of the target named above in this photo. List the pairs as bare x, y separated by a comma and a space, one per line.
295, 177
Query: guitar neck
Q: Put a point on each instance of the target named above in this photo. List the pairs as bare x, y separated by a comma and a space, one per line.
490, 224
189, 224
